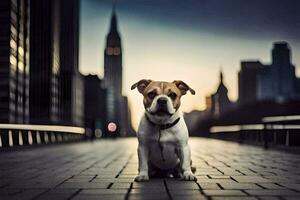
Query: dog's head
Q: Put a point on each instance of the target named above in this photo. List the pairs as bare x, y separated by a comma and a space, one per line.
162, 99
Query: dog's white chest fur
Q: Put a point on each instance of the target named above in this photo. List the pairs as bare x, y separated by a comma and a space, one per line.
163, 144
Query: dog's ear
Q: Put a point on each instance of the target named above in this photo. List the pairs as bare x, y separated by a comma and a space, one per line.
141, 85
183, 87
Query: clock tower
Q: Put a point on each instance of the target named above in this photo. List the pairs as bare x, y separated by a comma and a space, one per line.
113, 58
113, 72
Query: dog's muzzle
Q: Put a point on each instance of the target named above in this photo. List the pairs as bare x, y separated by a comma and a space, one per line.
162, 107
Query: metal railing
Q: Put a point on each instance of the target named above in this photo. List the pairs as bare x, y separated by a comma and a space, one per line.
283, 130
28, 134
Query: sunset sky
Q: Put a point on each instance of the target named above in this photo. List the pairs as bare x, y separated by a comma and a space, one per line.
188, 40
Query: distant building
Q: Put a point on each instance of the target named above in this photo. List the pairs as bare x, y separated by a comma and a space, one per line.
95, 108
247, 81
219, 102
275, 82
14, 61
283, 72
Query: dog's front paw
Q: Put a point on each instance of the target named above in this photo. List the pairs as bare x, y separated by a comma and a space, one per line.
141, 178
189, 176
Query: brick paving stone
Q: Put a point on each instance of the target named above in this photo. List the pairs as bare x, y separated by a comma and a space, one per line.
281, 179
97, 197
270, 186
99, 170
211, 186
239, 186
233, 198
99, 185
215, 180
219, 177
189, 197
148, 190
151, 184
182, 185
224, 193
273, 192
120, 185
148, 197
102, 191
251, 179
185, 192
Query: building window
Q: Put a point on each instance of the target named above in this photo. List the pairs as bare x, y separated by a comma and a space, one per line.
13, 62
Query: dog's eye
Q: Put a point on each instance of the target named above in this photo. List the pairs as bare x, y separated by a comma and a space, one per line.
172, 95
151, 95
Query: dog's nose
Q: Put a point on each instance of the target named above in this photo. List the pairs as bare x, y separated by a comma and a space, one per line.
162, 101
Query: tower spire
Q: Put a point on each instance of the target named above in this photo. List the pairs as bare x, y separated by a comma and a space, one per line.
221, 75
113, 20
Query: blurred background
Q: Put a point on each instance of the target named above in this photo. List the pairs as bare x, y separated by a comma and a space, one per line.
68, 65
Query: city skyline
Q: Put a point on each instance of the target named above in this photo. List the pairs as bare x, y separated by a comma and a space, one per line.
152, 46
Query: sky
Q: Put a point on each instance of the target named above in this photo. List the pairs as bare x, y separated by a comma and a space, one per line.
187, 40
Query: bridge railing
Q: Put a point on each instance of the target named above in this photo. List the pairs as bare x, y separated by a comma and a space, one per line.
28, 134
277, 130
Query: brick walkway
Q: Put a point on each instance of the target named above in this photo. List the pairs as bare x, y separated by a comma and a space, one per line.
106, 169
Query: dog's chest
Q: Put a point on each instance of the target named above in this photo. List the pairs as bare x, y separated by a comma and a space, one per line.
164, 149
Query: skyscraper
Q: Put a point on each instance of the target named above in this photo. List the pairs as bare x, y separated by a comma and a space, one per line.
56, 86
14, 61
71, 83
44, 61
113, 72
283, 72
247, 81
274, 82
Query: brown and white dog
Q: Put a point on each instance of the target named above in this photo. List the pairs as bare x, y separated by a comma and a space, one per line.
163, 148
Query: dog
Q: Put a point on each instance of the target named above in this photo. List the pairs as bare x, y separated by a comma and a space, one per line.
163, 148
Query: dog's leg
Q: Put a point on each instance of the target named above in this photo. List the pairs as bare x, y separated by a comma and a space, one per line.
177, 171
143, 154
185, 160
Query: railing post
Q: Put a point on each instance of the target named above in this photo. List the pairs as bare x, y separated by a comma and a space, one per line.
34, 137
20, 138
30, 137
52, 137
42, 137
46, 137
265, 137
287, 138
38, 137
